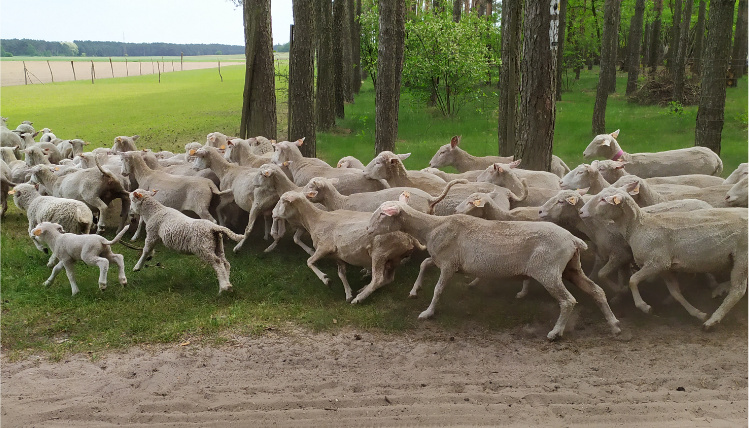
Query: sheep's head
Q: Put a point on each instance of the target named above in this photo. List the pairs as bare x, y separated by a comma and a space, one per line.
285, 208
501, 174
385, 165
737, 194
286, 151
609, 204
578, 178
45, 229
564, 206
603, 145
447, 154
473, 204
632, 184
387, 218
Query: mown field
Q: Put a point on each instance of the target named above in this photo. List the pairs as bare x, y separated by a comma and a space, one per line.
175, 297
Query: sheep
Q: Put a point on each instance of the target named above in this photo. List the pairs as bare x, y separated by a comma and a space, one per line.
468, 175
184, 193
74, 216
123, 143
216, 139
350, 162
69, 149
590, 177
737, 174
4, 122
323, 191
304, 169
240, 153
342, 234
646, 195
94, 250
737, 194
25, 127
181, 233
96, 187
504, 176
18, 170
47, 136
708, 240
614, 170
537, 179
483, 205
6, 182
260, 145
10, 138
692, 160
389, 167
495, 249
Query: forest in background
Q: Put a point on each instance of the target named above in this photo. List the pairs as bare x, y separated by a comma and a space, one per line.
88, 48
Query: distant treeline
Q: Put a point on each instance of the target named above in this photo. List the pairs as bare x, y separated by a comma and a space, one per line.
26, 47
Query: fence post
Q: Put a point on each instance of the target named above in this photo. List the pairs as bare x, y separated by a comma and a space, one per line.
73, 67
93, 72
152, 70
111, 66
158, 68
219, 71
127, 72
25, 74
50, 72
181, 57
140, 67
172, 65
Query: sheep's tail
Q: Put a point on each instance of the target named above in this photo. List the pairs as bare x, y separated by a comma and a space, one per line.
579, 243
119, 235
231, 235
104, 171
524, 194
718, 169
220, 192
436, 199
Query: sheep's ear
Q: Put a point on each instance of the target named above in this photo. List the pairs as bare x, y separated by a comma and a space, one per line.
59, 228
514, 164
300, 141
286, 163
606, 142
340, 164
154, 191
498, 168
137, 195
37, 231
35, 134
615, 134
634, 188
311, 193
614, 200
583, 191
404, 197
12, 192
594, 164
266, 173
391, 210
212, 139
404, 156
118, 140
273, 141
229, 143
454, 141
479, 202
86, 143
572, 200
620, 165
394, 160
135, 137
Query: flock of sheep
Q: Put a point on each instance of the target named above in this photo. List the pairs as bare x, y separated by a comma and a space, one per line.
642, 215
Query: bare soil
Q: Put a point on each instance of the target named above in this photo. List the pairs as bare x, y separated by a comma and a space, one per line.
661, 373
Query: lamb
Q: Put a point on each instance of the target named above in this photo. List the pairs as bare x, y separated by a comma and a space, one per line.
737, 194
343, 235
389, 166
69, 149
323, 191
304, 169
645, 195
350, 162
239, 152
614, 170
94, 250
504, 176
692, 160
737, 174
74, 216
495, 249
6, 182
124, 144
709, 241
181, 233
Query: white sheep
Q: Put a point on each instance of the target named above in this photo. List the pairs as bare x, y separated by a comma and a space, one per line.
94, 250
737, 194
124, 143
692, 160
502, 175
25, 126
69, 149
181, 233
350, 162
239, 152
47, 135
74, 216
389, 166
614, 170
737, 174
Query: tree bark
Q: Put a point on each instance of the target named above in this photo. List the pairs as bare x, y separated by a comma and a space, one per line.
614, 48
560, 46
356, 47
699, 38
302, 77
538, 89
389, 68
342, 79
715, 64
509, 75
259, 97
635, 38
655, 38
610, 31
739, 42
673, 52
325, 99
457, 9
646, 46
680, 58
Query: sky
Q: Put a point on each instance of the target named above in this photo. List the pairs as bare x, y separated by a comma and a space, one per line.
135, 21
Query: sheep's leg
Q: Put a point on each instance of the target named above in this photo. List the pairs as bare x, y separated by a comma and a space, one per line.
420, 279
634, 281
103, 269
737, 291
445, 275
526, 287
52, 260
55, 271
254, 212
613, 264
69, 272
268, 223
574, 273
298, 240
344, 280
102, 207
567, 302
317, 255
222, 274
675, 290
119, 260
378, 279
147, 249
141, 227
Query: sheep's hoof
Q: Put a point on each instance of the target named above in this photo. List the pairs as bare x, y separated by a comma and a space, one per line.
136, 268
349, 299
228, 289
521, 294
325, 280
355, 300
615, 330
425, 315
412, 295
47, 283
237, 248
645, 308
102, 287
701, 316
552, 336
707, 326
123, 283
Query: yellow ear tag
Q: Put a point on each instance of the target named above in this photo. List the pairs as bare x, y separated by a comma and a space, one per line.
37, 232
222, 147
286, 163
477, 202
57, 168
572, 200
617, 200
12, 192
192, 152
311, 194
266, 173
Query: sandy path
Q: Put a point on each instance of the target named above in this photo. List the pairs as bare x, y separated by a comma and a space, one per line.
422, 378
11, 72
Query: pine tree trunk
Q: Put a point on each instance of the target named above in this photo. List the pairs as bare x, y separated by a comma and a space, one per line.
646, 46
739, 42
509, 75
614, 48
715, 64
325, 99
342, 79
635, 38
680, 58
356, 47
302, 77
389, 66
560, 46
699, 38
347, 60
259, 97
457, 9
538, 89
610, 31
655, 39
673, 52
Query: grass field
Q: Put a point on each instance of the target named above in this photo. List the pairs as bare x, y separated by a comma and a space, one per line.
175, 298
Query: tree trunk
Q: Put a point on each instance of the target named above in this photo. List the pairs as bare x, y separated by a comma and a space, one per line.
680, 58
302, 77
259, 97
715, 64
646, 46
342, 81
610, 31
655, 38
389, 67
457, 9
739, 42
509, 75
348, 53
635, 37
673, 51
325, 99
560, 46
699, 38
538, 89
614, 49
355, 46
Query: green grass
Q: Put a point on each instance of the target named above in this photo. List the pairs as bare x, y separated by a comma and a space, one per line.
175, 298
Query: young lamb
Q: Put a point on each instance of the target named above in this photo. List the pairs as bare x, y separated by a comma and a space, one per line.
94, 250
124, 144
350, 162
646, 195
737, 194
614, 170
496, 249
181, 233
709, 241
737, 174
343, 236
692, 160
